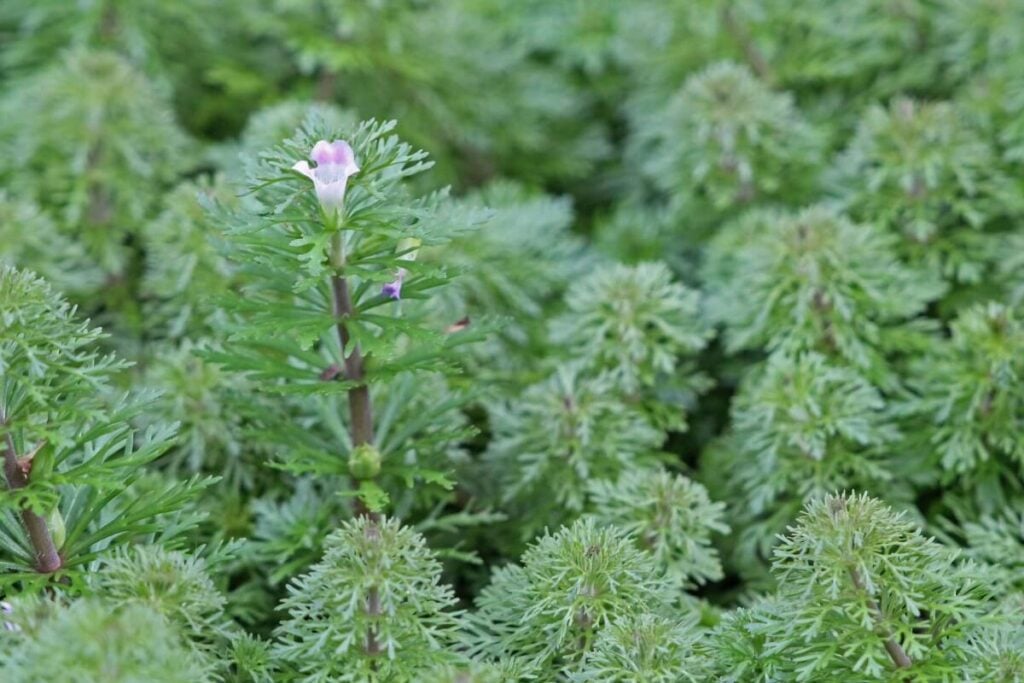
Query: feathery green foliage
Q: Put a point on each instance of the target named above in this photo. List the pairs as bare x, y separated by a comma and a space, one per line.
534, 341
565, 433
372, 608
813, 281
71, 453
643, 648
925, 173
632, 323
95, 641
176, 586
728, 139
669, 515
571, 586
970, 402
862, 589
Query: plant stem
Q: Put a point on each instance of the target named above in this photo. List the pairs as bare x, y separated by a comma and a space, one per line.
47, 558
896, 652
360, 405
373, 647
755, 58
326, 84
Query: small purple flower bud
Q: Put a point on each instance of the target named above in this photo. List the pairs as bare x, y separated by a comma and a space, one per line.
335, 163
7, 608
393, 290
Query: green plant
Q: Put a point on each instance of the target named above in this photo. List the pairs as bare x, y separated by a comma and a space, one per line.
372, 609
571, 586
71, 454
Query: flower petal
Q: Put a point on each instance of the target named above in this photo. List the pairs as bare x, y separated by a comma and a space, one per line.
331, 195
343, 155
393, 290
335, 162
323, 153
303, 168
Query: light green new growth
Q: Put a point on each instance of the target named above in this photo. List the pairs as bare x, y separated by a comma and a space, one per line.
633, 323
562, 434
647, 648
572, 584
729, 139
373, 609
668, 515
92, 641
863, 593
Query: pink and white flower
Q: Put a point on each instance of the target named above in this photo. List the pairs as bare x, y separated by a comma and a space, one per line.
335, 163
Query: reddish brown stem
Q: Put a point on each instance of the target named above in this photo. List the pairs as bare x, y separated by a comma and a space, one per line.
896, 652
47, 557
739, 33
373, 647
360, 406
326, 84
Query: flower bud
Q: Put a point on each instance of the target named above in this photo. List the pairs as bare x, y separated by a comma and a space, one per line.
55, 522
393, 290
364, 462
409, 247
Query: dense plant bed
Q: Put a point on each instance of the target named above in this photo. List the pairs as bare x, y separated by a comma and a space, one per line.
474, 340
